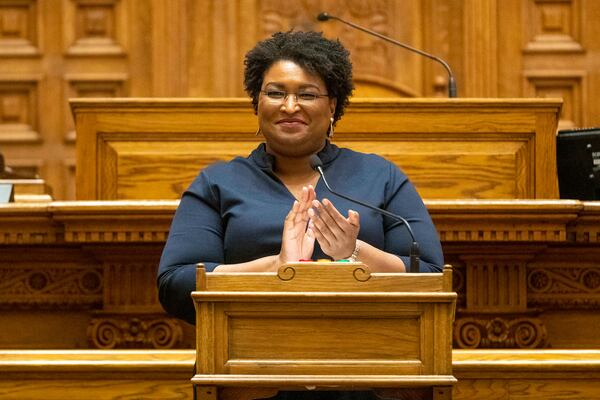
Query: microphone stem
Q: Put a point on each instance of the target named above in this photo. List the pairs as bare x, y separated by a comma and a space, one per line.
451, 81
414, 248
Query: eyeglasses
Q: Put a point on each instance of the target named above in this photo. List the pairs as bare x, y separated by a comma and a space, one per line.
279, 96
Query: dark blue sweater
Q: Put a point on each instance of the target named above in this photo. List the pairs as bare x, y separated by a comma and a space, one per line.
233, 212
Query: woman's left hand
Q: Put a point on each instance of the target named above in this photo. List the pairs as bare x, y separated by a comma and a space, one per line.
335, 233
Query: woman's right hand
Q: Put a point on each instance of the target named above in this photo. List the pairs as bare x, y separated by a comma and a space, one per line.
297, 242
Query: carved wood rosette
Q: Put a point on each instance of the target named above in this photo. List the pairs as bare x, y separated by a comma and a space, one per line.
500, 331
136, 330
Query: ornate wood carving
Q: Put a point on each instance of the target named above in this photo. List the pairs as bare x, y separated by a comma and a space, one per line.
504, 331
50, 287
564, 279
134, 331
18, 28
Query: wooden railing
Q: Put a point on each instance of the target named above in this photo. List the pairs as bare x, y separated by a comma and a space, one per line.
110, 374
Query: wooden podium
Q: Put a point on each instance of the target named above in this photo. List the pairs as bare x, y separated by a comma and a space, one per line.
323, 326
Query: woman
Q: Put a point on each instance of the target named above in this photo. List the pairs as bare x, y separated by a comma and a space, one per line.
256, 213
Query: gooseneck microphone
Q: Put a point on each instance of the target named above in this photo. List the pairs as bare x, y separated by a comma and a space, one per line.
451, 80
317, 165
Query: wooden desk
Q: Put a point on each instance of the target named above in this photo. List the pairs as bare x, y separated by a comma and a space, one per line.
450, 148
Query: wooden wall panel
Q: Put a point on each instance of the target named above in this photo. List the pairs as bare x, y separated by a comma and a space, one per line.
51, 50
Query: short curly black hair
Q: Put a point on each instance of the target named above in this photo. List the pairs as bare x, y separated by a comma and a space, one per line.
327, 58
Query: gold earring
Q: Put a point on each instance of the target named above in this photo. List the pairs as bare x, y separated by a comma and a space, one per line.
257, 131
330, 133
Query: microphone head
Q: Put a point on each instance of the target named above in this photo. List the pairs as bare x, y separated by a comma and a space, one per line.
323, 16
315, 162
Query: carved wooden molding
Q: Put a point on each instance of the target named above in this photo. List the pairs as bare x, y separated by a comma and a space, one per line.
505, 331
503, 221
27, 224
586, 229
92, 222
544, 221
78, 286
564, 288
135, 331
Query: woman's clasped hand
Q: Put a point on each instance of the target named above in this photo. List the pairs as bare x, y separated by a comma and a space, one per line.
310, 219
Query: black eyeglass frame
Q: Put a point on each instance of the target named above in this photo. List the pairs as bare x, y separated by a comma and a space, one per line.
314, 96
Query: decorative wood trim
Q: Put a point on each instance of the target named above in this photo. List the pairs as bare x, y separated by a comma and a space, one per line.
92, 222
50, 287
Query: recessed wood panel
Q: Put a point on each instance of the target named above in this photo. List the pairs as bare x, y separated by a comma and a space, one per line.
568, 85
18, 28
18, 110
554, 25
320, 337
94, 27
147, 171
482, 168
